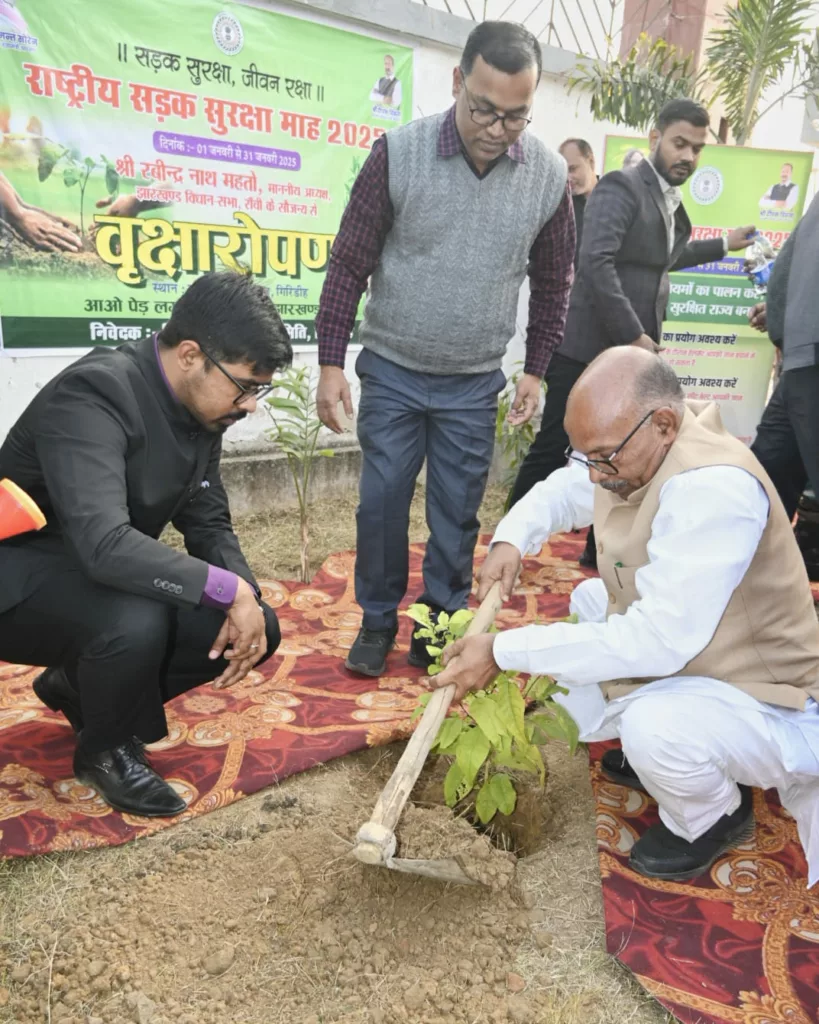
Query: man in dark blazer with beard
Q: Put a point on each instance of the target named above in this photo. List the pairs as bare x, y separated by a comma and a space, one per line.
635, 231
114, 448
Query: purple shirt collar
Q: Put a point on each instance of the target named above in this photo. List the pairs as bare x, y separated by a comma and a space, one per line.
449, 141
162, 369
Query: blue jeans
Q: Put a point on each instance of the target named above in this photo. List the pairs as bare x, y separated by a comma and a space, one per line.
404, 417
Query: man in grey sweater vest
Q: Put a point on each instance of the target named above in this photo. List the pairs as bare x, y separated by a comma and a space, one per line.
445, 220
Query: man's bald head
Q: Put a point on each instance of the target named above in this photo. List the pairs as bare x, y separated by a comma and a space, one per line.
621, 382
617, 390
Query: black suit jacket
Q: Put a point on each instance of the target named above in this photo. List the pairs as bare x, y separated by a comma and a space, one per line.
621, 287
111, 457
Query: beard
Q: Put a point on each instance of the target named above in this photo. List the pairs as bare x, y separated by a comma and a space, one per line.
614, 486
674, 174
223, 423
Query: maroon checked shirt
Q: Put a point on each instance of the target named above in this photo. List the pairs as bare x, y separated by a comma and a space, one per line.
366, 223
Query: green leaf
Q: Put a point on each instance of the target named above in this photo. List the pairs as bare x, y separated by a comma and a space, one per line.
459, 623
546, 727
503, 791
511, 708
419, 613
434, 670
486, 806
70, 177
90, 163
443, 620
285, 403
111, 180
326, 453
46, 162
453, 784
570, 729
485, 714
512, 760
470, 753
540, 688
449, 732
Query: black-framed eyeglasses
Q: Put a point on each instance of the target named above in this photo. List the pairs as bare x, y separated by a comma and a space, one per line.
486, 118
257, 391
606, 464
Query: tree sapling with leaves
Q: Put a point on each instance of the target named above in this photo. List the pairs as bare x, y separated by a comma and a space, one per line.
296, 431
491, 739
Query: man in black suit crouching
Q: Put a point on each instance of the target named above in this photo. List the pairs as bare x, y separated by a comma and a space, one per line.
114, 448
635, 231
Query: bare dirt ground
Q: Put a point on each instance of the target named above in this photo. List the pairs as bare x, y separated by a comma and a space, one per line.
256, 914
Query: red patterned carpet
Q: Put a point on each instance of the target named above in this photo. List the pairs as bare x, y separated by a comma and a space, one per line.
740, 946
302, 709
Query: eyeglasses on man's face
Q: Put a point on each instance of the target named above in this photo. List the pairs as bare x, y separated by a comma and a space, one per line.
605, 464
486, 117
247, 389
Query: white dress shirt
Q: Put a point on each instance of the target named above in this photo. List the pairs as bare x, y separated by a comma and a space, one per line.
673, 198
703, 538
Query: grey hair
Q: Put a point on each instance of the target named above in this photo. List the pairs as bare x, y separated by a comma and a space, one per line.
658, 386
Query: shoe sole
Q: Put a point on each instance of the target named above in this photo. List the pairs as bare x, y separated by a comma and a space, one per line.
738, 835
128, 810
623, 780
362, 670
62, 707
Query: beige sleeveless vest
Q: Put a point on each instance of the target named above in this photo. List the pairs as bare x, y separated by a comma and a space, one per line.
767, 642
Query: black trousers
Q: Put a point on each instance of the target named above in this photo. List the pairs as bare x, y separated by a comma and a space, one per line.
125, 655
547, 453
787, 441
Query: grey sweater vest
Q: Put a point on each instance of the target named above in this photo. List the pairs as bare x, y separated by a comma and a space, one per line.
444, 296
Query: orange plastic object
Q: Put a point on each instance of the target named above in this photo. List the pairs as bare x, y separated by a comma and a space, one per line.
18, 513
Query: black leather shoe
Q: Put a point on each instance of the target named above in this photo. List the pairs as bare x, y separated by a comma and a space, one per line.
615, 766
661, 854
418, 655
368, 655
54, 690
124, 779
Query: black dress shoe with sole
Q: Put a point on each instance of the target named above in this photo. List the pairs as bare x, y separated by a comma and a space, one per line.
615, 767
368, 655
124, 778
661, 854
54, 690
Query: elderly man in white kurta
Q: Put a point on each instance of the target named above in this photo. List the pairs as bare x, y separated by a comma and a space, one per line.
699, 645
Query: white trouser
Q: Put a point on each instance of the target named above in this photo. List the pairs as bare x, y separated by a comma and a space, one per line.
692, 739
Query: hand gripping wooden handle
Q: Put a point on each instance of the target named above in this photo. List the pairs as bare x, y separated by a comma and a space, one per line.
375, 842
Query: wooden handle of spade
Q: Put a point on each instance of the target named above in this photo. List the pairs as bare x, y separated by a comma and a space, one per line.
375, 842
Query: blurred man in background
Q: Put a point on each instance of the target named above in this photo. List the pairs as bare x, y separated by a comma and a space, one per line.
635, 231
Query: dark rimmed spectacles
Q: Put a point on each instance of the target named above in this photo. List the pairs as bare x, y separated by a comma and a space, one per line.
606, 464
486, 118
246, 391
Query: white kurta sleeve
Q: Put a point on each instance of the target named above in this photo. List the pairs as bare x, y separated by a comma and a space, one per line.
565, 501
706, 531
